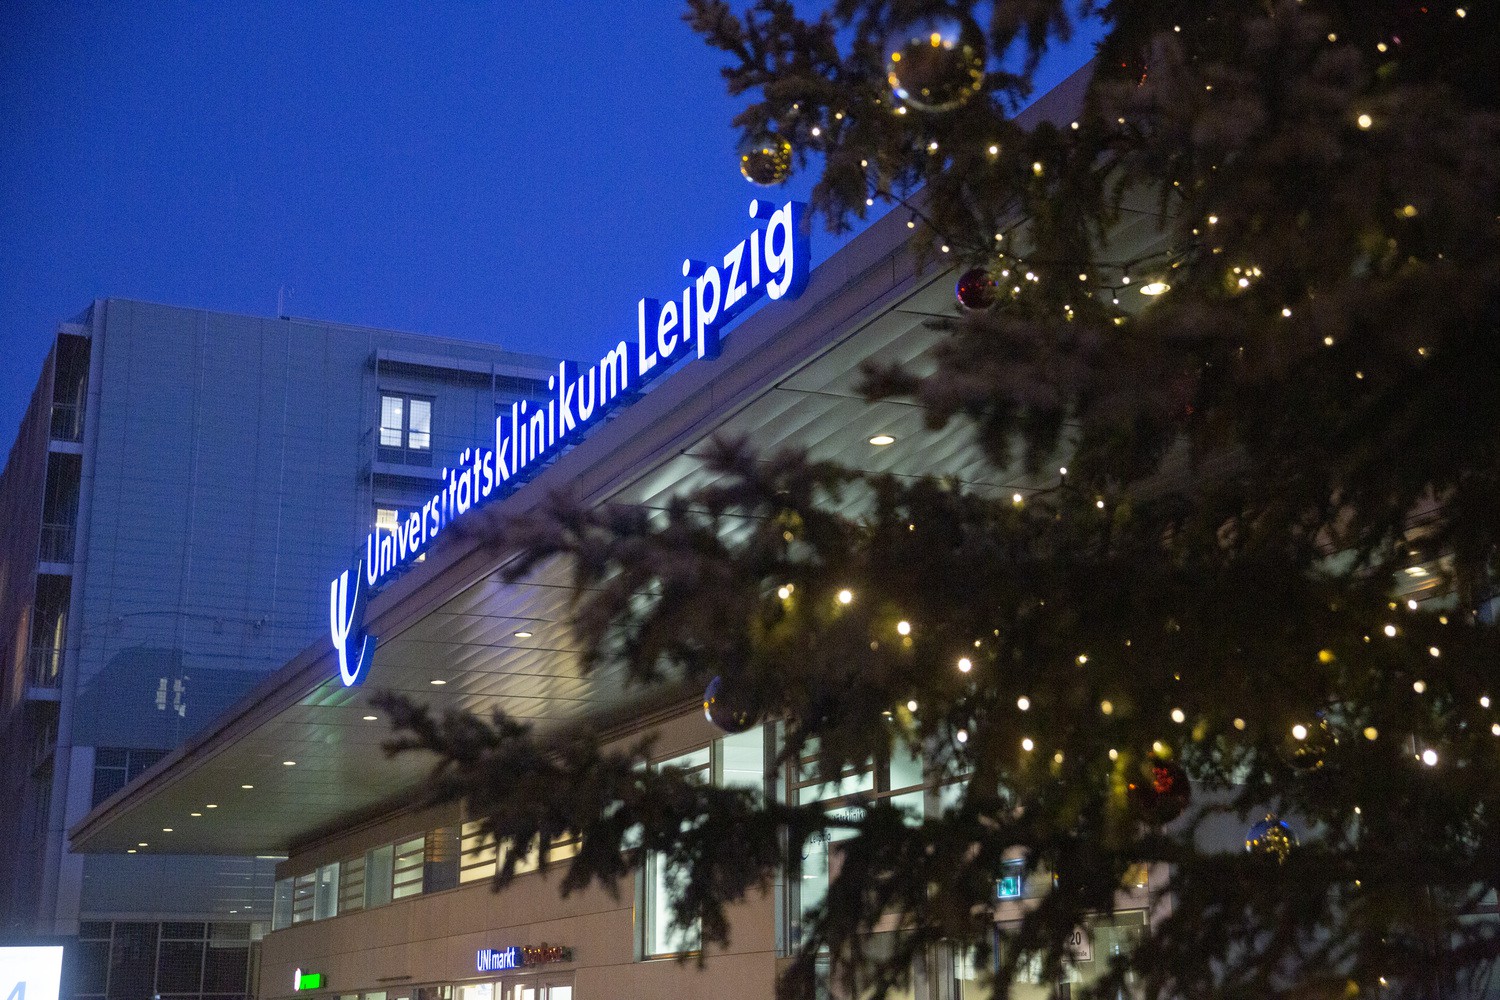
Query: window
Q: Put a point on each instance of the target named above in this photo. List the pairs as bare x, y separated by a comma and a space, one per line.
326, 892
737, 761
662, 880
1094, 945
405, 429
410, 859
115, 767
898, 780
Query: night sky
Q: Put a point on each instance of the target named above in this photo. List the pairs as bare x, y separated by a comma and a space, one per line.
509, 172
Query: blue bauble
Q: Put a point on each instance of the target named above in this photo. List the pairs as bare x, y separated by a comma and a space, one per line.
728, 715
1271, 836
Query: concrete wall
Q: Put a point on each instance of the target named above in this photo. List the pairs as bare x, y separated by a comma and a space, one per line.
434, 939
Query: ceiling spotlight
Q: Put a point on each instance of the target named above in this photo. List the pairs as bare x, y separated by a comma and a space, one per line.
437, 682
247, 786
522, 634
1155, 288
881, 440
370, 718
211, 805
289, 763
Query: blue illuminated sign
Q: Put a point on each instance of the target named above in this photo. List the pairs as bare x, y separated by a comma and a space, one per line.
499, 959
521, 956
772, 262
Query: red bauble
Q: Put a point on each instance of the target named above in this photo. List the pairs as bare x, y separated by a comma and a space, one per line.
976, 290
1163, 793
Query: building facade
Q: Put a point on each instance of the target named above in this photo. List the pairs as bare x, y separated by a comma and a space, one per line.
380, 899
181, 481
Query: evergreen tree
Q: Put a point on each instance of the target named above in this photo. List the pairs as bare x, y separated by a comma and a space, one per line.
1269, 563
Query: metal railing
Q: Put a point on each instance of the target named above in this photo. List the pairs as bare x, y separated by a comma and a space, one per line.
44, 666
57, 543
67, 422
43, 743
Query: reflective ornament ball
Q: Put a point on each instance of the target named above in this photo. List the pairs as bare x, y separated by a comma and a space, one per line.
1306, 746
976, 290
732, 718
766, 159
1163, 792
935, 63
1272, 837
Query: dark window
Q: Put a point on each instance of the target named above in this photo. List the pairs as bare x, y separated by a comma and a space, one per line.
115, 767
440, 868
179, 968
91, 965
132, 961
405, 429
224, 969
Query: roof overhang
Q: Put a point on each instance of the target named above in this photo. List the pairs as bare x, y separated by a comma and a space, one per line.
299, 755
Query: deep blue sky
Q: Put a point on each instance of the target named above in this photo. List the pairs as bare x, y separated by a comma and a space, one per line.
511, 172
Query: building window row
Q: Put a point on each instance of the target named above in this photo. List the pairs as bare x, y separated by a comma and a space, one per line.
451, 856
433, 861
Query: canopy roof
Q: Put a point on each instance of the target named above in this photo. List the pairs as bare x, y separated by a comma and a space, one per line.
300, 756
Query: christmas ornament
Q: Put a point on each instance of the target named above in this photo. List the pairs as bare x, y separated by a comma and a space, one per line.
935, 63
1163, 792
1306, 747
732, 718
1271, 837
766, 159
976, 289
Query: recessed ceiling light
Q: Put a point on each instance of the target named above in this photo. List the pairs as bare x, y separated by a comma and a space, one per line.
523, 634
370, 718
289, 763
130, 850
211, 806
881, 440
247, 786
1155, 288
195, 814
143, 844
437, 683
166, 829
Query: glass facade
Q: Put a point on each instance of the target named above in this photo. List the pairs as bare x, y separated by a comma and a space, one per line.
734, 761
172, 960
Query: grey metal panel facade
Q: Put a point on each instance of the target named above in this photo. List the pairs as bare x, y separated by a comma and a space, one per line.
229, 473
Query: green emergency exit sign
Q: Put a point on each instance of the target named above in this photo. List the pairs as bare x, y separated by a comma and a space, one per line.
307, 980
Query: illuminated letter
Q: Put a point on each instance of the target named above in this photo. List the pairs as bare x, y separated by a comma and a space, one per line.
788, 264
463, 488
614, 374
538, 435
734, 288
343, 616
665, 324
567, 422
644, 361
586, 410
